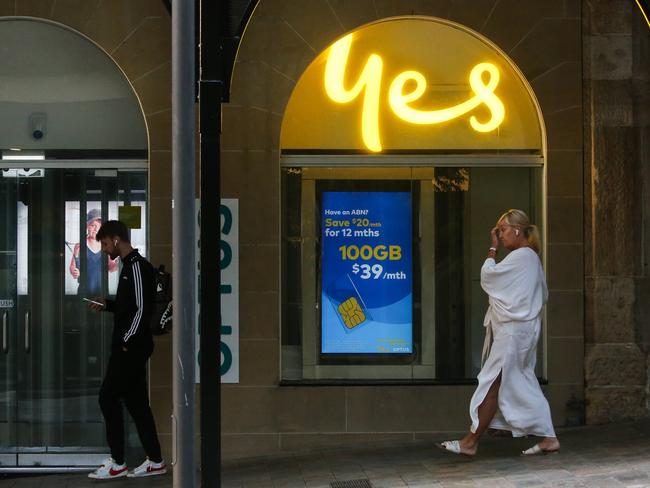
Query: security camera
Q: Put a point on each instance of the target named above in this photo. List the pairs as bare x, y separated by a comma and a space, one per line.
37, 126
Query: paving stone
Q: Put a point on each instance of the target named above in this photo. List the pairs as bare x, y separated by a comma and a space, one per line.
319, 482
614, 455
424, 485
388, 483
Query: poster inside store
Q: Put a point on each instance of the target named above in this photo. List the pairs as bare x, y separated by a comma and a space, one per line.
366, 273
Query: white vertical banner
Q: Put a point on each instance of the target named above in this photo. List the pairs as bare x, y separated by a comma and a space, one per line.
229, 265
229, 291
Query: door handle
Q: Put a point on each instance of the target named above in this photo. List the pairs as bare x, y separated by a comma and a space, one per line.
5, 341
27, 341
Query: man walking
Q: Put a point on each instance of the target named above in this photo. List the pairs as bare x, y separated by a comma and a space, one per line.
132, 345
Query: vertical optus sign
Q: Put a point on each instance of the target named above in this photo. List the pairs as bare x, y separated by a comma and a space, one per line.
367, 299
229, 292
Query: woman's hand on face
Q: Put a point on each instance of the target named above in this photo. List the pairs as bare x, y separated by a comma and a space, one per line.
495, 238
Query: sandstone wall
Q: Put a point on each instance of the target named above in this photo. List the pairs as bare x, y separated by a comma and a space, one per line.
616, 87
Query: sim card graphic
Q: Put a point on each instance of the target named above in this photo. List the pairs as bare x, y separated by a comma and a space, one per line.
347, 303
351, 313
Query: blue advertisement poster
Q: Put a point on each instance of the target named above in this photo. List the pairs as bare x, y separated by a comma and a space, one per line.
366, 273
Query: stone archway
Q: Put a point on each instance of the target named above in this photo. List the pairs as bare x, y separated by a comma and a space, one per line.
279, 42
137, 36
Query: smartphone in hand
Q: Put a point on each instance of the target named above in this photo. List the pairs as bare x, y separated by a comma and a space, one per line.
93, 302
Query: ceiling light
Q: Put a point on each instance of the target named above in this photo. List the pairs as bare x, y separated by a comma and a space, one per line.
14, 155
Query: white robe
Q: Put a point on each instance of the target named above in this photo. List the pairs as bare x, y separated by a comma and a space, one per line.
517, 292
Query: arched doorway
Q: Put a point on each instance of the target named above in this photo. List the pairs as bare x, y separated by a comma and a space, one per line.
74, 152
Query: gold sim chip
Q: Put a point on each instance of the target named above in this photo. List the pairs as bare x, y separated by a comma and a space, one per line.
351, 313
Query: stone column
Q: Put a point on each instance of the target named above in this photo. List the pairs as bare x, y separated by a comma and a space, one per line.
615, 183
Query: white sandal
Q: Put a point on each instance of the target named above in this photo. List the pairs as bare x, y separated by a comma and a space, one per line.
536, 449
450, 446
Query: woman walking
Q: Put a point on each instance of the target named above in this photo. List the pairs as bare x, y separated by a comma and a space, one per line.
508, 396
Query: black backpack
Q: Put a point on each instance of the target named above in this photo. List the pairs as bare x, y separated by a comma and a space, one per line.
161, 318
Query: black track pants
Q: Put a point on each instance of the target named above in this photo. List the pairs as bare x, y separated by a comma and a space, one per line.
126, 380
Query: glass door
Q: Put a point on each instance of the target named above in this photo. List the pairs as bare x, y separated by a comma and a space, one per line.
8, 319
58, 349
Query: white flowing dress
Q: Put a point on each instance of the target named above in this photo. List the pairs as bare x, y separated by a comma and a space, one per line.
517, 292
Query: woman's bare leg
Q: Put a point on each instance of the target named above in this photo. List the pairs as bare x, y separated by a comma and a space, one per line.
486, 412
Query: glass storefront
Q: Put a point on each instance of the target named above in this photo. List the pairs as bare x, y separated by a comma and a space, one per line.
401, 145
379, 289
54, 350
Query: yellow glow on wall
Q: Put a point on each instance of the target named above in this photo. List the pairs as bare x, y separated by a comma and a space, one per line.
370, 80
411, 83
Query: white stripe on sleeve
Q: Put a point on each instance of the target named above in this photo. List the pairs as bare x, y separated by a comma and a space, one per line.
137, 285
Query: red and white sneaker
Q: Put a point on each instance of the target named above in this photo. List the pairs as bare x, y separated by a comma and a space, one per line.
148, 468
109, 470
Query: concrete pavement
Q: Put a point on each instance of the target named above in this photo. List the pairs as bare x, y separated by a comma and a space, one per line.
615, 455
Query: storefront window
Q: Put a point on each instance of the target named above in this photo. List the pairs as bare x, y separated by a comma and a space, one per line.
381, 268
401, 144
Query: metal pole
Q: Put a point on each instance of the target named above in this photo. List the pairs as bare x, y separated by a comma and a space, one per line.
183, 242
213, 16
210, 293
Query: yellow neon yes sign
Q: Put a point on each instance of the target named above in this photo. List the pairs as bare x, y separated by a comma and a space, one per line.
484, 94
370, 81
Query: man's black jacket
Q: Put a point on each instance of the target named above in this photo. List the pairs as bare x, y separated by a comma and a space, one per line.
133, 305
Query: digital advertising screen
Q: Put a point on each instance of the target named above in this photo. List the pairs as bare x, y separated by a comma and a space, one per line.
366, 263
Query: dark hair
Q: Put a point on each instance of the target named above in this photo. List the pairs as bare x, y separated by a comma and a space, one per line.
113, 228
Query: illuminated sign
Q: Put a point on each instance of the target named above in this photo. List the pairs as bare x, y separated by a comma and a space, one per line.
369, 82
645, 8
408, 84
366, 280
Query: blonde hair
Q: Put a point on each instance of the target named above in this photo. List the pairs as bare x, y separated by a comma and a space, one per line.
518, 218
